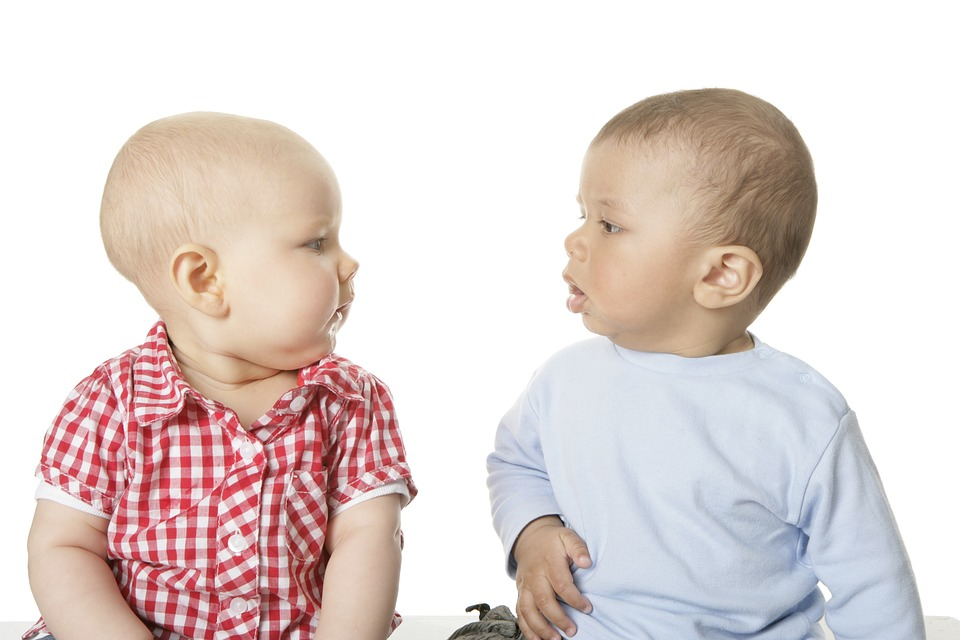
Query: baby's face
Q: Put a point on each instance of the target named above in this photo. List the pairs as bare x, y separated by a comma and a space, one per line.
631, 275
289, 282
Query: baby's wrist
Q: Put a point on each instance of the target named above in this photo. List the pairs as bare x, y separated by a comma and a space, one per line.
536, 526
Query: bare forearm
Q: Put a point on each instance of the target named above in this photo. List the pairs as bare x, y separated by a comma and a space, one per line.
360, 588
71, 580
79, 598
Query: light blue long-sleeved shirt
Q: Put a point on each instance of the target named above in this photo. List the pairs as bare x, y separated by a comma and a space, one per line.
712, 493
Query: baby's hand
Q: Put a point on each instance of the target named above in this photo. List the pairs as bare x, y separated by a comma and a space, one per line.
544, 552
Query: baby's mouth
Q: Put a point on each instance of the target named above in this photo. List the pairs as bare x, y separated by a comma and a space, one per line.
338, 317
577, 298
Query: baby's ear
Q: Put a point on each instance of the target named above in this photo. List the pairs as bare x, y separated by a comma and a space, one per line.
728, 276
195, 272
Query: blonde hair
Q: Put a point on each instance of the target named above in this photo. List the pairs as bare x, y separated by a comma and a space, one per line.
180, 179
752, 175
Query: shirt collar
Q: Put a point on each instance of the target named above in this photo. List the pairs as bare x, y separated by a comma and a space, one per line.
159, 390
337, 374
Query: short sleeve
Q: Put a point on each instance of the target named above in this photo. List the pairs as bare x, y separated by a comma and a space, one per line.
368, 452
83, 449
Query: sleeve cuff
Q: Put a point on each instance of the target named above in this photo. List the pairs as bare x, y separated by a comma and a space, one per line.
383, 490
47, 491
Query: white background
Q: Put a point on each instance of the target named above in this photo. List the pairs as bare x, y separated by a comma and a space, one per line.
457, 131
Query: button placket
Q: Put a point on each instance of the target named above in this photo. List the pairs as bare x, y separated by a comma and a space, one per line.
236, 543
298, 403
246, 449
239, 606
237, 558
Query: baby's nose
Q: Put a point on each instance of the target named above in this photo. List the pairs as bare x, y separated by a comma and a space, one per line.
572, 244
348, 267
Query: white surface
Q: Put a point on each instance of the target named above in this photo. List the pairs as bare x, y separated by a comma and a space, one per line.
440, 628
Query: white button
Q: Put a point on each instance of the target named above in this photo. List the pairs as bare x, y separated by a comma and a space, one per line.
238, 606
247, 451
298, 403
236, 543
805, 377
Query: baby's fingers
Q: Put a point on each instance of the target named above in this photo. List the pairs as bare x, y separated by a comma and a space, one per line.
562, 584
575, 548
561, 578
540, 615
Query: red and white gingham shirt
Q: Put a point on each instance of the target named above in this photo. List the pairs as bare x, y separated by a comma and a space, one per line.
217, 531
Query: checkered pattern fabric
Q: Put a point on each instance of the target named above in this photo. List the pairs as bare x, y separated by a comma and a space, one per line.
217, 531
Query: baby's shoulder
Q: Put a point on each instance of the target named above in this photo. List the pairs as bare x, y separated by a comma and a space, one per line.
591, 350
116, 374
344, 376
796, 382
567, 368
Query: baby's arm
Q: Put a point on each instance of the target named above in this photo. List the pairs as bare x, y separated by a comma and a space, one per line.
854, 546
540, 548
544, 552
363, 573
71, 581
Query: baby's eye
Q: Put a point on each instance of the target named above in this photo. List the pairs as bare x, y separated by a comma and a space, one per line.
315, 245
609, 227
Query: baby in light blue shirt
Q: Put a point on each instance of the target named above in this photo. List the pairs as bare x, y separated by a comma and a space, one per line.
676, 477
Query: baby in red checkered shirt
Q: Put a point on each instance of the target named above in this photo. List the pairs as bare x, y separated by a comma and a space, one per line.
231, 477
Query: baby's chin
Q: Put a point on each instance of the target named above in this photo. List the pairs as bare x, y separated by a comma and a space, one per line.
322, 345
320, 354
304, 359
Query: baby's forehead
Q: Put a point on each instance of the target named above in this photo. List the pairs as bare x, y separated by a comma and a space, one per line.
665, 154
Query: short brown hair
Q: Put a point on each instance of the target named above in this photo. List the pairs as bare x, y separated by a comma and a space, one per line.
753, 175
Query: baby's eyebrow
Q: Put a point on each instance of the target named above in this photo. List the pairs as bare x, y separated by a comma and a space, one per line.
609, 203
612, 203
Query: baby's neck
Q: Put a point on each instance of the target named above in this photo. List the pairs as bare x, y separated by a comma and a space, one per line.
248, 390
742, 343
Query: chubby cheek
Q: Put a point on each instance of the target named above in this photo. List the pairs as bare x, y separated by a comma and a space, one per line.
612, 279
296, 296
320, 297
